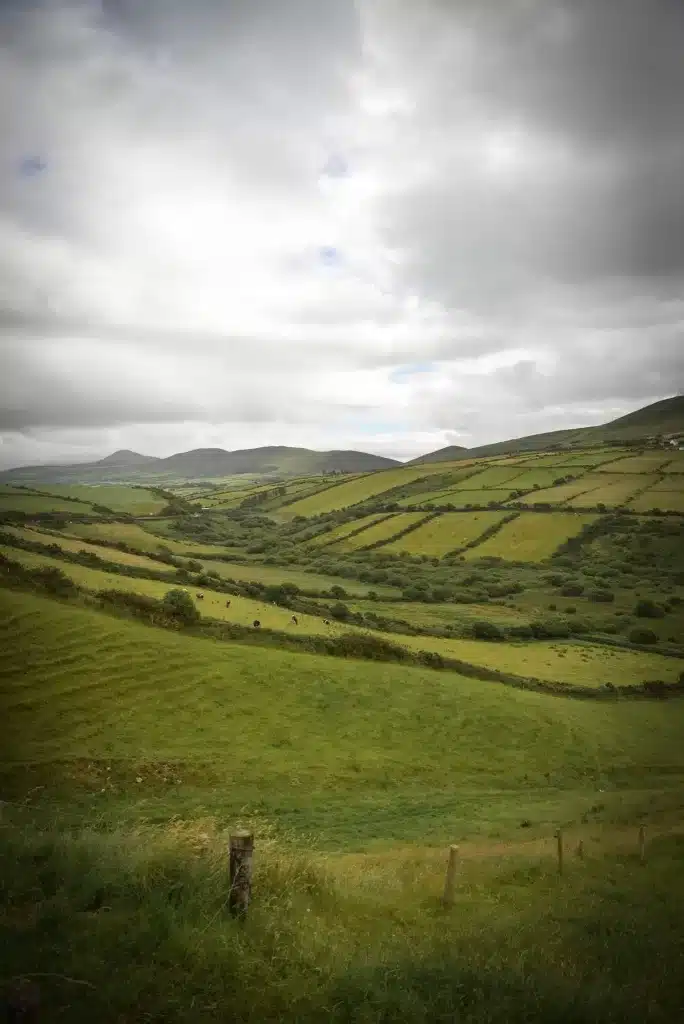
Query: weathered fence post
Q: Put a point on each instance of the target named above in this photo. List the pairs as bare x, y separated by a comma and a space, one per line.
580, 850
559, 843
450, 881
642, 844
241, 849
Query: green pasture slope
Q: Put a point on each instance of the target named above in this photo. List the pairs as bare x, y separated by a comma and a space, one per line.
131, 752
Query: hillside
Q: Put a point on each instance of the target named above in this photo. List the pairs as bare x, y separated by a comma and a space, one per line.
664, 417
201, 463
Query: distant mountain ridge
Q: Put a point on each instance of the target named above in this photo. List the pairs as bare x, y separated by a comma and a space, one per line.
128, 466
659, 418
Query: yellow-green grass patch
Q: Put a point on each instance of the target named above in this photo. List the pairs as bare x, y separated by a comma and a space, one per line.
342, 531
611, 488
667, 501
273, 574
532, 537
676, 465
670, 482
492, 477
569, 662
637, 464
75, 545
559, 495
351, 492
380, 531
34, 504
136, 536
242, 611
472, 496
118, 497
445, 533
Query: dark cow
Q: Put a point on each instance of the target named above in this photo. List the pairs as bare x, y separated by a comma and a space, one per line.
294, 619
326, 622
200, 597
256, 623
227, 604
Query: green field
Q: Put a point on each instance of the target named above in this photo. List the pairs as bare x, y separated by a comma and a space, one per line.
383, 530
71, 544
81, 684
445, 533
242, 611
340, 532
134, 535
118, 497
537, 478
559, 495
354, 491
611, 488
555, 662
638, 463
33, 504
532, 537
492, 477
275, 574
472, 497
668, 501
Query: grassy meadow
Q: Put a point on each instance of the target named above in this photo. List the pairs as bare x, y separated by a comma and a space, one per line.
131, 751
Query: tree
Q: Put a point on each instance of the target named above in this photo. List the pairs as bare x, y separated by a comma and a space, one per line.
178, 605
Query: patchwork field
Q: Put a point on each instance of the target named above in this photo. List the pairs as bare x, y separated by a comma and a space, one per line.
446, 532
667, 501
532, 537
134, 535
576, 664
559, 495
611, 488
340, 532
464, 497
76, 545
383, 530
35, 503
493, 477
118, 497
354, 491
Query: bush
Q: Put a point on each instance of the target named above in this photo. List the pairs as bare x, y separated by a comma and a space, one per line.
340, 612
646, 609
572, 590
483, 630
53, 580
643, 636
601, 596
179, 606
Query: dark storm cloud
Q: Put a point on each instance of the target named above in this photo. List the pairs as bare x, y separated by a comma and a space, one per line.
501, 199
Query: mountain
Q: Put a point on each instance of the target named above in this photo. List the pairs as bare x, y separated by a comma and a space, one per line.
125, 457
450, 454
201, 463
664, 417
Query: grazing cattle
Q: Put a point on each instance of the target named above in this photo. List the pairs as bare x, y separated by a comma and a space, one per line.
227, 604
200, 597
294, 619
256, 623
326, 622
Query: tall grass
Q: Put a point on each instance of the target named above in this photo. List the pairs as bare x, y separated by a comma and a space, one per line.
134, 927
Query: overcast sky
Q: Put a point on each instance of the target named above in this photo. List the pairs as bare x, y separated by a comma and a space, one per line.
390, 225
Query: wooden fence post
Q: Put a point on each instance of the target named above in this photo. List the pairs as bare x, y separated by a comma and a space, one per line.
642, 844
450, 881
241, 849
559, 843
580, 850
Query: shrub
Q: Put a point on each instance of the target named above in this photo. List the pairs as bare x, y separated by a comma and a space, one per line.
340, 612
647, 609
484, 630
601, 596
572, 590
179, 606
643, 636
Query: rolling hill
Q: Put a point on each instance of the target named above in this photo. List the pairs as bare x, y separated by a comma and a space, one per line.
664, 417
201, 463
